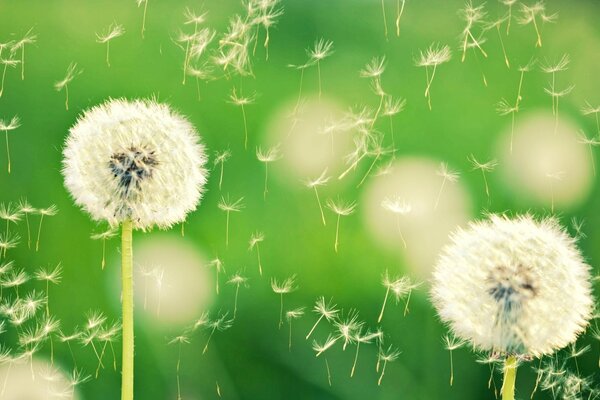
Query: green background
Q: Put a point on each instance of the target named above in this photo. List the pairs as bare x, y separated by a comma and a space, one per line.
251, 359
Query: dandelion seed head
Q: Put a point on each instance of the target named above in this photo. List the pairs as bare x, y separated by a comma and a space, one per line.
396, 205
10, 125
294, 314
341, 207
221, 156
327, 310
72, 72
434, 55
286, 286
321, 180
374, 69
113, 31
238, 279
321, 49
487, 166
136, 160
447, 174
267, 156
505, 284
255, 239
231, 206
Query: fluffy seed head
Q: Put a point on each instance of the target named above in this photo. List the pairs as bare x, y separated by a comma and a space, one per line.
517, 286
135, 160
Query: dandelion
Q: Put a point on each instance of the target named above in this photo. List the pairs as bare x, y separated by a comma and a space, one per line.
452, 343
28, 38
284, 287
107, 234
219, 267
267, 18
385, 356
321, 50
229, 207
145, 3
221, 323
556, 95
588, 109
113, 31
267, 157
590, 143
220, 158
398, 207
447, 175
27, 209
432, 57
203, 72
472, 16
7, 126
399, 287
44, 212
483, 167
376, 150
290, 316
49, 276
136, 164
242, 102
237, 280
10, 61
534, 14
324, 310
179, 340
505, 284
255, 241
340, 208
393, 107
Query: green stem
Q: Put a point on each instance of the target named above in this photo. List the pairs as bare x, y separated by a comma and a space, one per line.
127, 281
510, 375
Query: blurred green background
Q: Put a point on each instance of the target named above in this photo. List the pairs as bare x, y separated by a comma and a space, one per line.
251, 360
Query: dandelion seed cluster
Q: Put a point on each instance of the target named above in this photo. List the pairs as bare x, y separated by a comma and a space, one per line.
135, 160
513, 285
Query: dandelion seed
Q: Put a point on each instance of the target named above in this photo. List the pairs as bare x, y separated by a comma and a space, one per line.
44, 212
484, 167
179, 340
321, 348
577, 225
368, 337
324, 310
255, 241
393, 107
590, 143
501, 281
229, 207
376, 150
267, 18
472, 16
113, 31
221, 158
8, 242
522, 69
10, 61
271, 155
10, 214
340, 208
504, 108
374, 69
28, 38
218, 265
447, 175
203, 72
72, 72
588, 109
284, 287
145, 3
49, 276
321, 180
556, 95
398, 207
27, 209
497, 24
238, 280
290, 316
553, 177
399, 12
219, 324
348, 327
242, 102
452, 343
509, 4
321, 50
534, 14
7, 126
107, 234
399, 287
432, 57
386, 356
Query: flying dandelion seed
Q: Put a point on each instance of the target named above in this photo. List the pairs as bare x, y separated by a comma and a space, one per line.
385, 29
219, 267
359, 338
472, 16
44, 212
242, 102
221, 323
399, 287
452, 343
324, 310
535, 14
179, 341
268, 12
299, 100
321, 50
399, 12
321, 180
504, 108
321, 348
284, 287
113, 31
9, 61
590, 143
27, 39
10, 214
432, 57
237, 280
588, 109
484, 167
49, 276
375, 150
268, 156
522, 69
393, 107
145, 3
553, 177
203, 72
340, 208
527, 277
230, 206
553, 68
447, 175
220, 158
509, 13
398, 207
385, 356
497, 24
255, 241
107, 234
7, 126
290, 316
27, 209
348, 326
72, 72
115, 171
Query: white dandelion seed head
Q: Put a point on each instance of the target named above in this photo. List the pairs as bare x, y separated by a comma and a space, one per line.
135, 160
513, 285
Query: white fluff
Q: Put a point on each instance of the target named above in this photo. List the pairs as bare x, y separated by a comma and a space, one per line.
517, 286
135, 160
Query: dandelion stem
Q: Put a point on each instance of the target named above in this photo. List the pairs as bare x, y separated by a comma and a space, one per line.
28, 231
503, 48
315, 326
382, 373
280, 310
266, 181
37, 242
510, 375
178, 381
3, 77
67, 97
387, 292
108, 53
245, 128
319, 73
103, 253
437, 201
537, 379
7, 150
328, 371
221, 175
320, 206
368, 171
23, 62
355, 359
208, 341
226, 234
127, 281
337, 233
537, 32
399, 15
299, 91
290, 336
144, 17
385, 30
237, 289
260, 271
451, 369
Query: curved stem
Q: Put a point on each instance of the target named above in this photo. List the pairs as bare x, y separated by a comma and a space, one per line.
510, 376
127, 281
